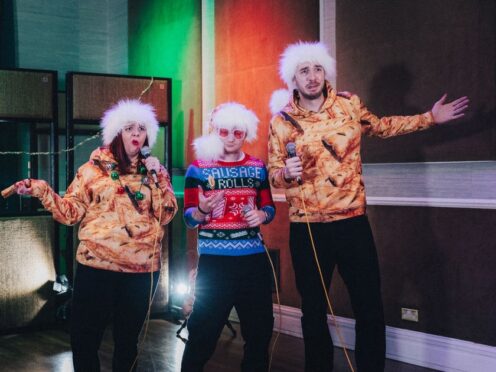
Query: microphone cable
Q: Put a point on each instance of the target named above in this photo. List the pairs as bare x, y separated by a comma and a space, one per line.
278, 300
317, 262
245, 210
151, 296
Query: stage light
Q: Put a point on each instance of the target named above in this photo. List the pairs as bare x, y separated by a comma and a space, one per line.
182, 288
178, 292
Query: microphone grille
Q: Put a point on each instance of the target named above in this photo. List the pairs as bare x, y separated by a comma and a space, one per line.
246, 208
291, 148
145, 151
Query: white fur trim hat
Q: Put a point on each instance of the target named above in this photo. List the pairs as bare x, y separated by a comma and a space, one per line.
231, 115
278, 100
128, 111
302, 52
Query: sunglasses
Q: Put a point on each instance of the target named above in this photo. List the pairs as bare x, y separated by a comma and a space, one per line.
237, 133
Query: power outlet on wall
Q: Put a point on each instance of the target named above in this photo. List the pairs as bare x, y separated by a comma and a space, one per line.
409, 314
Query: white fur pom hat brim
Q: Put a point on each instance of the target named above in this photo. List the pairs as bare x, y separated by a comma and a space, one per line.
129, 111
208, 147
278, 100
302, 52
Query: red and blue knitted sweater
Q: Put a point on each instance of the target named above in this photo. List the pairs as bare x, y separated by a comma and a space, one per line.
225, 231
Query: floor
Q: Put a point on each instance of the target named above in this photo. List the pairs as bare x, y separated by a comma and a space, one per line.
49, 350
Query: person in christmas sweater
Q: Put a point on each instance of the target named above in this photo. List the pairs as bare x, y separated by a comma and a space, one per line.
324, 186
227, 197
121, 214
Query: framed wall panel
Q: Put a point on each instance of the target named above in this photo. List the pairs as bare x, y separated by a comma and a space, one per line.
28, 95
92, 94
400, 57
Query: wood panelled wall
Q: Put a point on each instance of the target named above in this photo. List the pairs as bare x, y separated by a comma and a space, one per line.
402, 56
440, 261
249, 38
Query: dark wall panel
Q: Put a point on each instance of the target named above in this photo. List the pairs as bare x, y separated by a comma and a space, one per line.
440, 261
401, 56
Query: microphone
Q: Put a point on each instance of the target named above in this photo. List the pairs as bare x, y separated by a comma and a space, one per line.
145, 152
12, 189
9, 191
246, 208
291, 149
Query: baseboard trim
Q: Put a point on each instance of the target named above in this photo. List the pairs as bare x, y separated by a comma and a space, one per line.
404, 201
422, 349
465, 203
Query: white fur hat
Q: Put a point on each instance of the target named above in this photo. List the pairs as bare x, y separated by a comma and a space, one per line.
292, 56
231, 115
278, 100
124, 112
301, 52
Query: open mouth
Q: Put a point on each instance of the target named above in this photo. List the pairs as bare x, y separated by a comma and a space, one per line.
135, 142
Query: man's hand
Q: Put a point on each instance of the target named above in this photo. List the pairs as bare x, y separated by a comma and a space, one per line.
255, 217
24, 187
207, 204
293, 168
444, 112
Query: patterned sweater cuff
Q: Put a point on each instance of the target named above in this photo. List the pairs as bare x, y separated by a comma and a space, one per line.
189, 220
270, 213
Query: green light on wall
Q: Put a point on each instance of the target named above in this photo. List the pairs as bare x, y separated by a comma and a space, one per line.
165, 41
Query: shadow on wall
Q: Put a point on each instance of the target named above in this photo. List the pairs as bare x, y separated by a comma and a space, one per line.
463, 139
390, 101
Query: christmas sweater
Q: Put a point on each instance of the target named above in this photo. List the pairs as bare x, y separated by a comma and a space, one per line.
328, 144
225, 231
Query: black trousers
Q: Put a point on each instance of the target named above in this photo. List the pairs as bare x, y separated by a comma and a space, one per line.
99, 296
349, 244
224, 282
